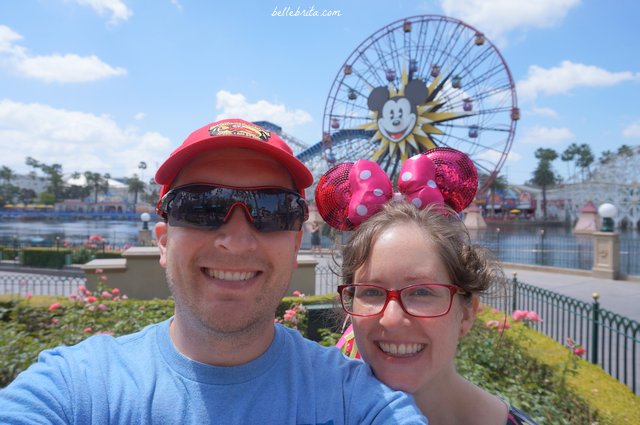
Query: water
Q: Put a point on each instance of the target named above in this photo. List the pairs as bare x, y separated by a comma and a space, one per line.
45, 233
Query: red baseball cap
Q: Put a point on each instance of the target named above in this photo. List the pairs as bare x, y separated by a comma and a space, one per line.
233, 133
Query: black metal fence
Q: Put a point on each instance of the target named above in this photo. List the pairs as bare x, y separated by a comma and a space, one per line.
327, 280
630, 256
32, 284
611, 340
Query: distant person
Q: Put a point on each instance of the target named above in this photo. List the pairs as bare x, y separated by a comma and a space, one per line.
229, 250
412, 280
315, 239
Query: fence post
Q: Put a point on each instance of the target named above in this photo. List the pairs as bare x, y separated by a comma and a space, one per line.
515, 292
594, 328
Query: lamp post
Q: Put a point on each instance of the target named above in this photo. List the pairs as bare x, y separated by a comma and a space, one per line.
606, 249
607, 212
144, 235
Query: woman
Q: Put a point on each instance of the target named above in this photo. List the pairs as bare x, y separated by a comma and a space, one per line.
412, 287
412, 280
315, 239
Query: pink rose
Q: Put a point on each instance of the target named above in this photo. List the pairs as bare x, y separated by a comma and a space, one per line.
492, 324
91, 299
102, 307
54, 306
115, 291
579, 351
533, 316
87, 330
106, 294
519, 315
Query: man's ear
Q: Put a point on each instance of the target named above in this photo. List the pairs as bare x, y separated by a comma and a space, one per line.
161, 238
469, 313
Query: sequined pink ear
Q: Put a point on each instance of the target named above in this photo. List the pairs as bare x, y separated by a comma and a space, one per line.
456, 176
333, 195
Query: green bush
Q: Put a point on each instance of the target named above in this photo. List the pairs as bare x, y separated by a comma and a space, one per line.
45, 257
9, 253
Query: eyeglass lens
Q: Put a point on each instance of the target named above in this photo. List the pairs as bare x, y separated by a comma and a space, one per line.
418, 300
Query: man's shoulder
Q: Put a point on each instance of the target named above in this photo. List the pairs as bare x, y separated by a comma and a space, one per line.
104, 344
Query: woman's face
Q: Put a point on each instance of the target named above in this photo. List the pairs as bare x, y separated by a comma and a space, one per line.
403, 256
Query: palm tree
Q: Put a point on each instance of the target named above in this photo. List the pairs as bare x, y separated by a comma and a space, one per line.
6, 174
543, 175
135, 186
499, 183
96, 183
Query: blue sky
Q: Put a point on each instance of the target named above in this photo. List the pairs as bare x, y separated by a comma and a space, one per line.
101, 85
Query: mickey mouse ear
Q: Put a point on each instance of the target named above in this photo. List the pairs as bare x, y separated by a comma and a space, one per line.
333, 194
456, 176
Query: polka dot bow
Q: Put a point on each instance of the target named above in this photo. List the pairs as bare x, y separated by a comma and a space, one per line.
350, 193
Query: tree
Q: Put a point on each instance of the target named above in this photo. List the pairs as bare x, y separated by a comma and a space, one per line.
625, 150
54, 172
135, 186
6, 174
606, 157
26, 196
96, 183
499, 183
543, 175
585, 159
569, 155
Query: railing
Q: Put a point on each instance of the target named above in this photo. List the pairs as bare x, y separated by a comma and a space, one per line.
327, 280
630, 256
31, 284
611, 340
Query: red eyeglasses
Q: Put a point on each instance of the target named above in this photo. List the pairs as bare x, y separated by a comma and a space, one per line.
420, 300
207, 206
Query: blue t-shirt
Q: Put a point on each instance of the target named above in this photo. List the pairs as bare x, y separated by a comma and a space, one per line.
142, 379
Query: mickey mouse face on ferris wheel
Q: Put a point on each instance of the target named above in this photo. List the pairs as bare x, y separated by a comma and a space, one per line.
397, 115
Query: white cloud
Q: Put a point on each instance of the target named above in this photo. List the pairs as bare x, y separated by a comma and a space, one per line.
116, 8
545, 136
69, 68
177, 4
78, 141
497, 17
632, 131
139, 116
562, 79
8, 37
234, 105
544, 112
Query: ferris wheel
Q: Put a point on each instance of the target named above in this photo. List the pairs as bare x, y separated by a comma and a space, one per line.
419, 83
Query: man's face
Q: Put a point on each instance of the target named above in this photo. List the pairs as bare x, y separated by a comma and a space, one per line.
230, 280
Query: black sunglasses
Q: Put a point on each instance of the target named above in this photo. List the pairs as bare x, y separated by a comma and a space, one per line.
206, 206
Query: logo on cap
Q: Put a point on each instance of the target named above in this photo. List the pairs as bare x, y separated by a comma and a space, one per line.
239, 129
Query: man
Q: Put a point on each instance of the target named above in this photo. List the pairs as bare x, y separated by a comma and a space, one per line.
233, 210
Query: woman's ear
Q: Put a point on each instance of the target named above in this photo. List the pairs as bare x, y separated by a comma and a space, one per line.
469, 313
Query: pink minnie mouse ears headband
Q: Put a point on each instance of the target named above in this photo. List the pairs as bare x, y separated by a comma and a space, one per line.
351, 192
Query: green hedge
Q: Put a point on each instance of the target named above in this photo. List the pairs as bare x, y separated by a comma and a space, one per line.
45, 257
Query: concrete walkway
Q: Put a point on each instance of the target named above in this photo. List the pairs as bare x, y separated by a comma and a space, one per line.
619, 296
